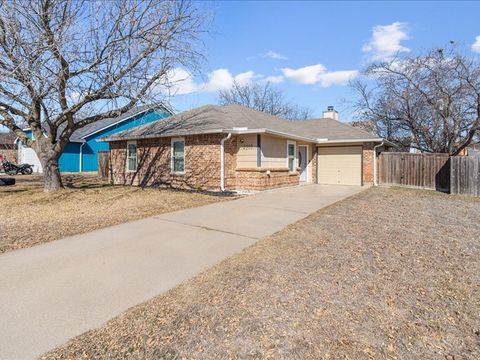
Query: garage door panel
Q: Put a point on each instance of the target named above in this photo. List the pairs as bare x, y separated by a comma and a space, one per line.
341, 165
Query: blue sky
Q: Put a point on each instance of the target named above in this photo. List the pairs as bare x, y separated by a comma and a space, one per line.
311, 49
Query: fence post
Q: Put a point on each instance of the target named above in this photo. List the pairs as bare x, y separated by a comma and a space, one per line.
103, 164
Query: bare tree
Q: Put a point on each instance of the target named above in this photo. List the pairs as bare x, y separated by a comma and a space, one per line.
366, 125
430, 102
265, 98
65, 64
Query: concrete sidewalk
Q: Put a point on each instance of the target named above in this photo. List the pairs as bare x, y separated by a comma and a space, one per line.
55, 291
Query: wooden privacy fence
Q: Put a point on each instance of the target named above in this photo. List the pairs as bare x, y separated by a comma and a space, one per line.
426, 171
103, 164
465, 175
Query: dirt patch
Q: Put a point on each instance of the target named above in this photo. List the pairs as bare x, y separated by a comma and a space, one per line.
389, 273
29, 216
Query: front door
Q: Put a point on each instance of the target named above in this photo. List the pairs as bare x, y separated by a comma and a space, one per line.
303, 162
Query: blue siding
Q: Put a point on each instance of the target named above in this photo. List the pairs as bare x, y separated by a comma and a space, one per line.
70, 159
93, 146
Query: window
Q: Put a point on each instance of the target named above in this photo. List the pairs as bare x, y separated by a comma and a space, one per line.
291, 156
131, 156
259, 150
178, 155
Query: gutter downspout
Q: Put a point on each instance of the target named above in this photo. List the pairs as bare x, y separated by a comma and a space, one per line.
222, 161
375, 182
80, 163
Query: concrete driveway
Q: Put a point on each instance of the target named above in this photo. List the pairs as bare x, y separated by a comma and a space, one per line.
55, 291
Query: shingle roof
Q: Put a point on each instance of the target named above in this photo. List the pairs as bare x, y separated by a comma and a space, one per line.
216, 119
80, 134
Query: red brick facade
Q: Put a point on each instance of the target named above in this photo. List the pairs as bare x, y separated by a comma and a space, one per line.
367, 164
8, 154
202, 166
262, 179
202, 163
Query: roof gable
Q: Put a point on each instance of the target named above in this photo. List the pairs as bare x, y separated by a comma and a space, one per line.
101, 125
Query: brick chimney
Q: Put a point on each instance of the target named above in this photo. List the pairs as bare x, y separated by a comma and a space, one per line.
331, 113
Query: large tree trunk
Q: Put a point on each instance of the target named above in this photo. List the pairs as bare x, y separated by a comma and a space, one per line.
51, 171
51, 176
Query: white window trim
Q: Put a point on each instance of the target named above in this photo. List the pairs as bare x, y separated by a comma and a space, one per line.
136, 157
295, 165
171, 156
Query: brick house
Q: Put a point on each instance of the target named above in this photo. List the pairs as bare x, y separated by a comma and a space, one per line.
8, 148
234, 148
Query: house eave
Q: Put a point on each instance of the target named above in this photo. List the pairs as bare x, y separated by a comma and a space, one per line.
321, 142
154, 136
244, 131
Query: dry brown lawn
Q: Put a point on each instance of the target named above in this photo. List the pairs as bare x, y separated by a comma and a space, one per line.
387, 274
30, 217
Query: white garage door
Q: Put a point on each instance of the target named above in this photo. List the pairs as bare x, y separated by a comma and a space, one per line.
340, 165
27, 155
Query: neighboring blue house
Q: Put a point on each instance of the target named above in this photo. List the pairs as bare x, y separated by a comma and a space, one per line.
80, 154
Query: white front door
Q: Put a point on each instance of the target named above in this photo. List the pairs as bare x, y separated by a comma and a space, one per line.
303, 162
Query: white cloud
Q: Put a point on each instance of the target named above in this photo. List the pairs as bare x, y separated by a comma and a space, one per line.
269, 54
246, 77
318, 74
337, 77
274, 55
181, 82
476, 45
305, 75
386, 41
217, 80
274, 79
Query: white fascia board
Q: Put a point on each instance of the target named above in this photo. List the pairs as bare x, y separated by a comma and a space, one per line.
153, 136
290, 136
346, 141
240, 131
270, 132
118, 122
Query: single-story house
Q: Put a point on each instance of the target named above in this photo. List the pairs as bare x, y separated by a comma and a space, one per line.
235, 148
8, 148
81, 153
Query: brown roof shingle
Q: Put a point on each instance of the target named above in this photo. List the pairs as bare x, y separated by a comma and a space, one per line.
215, 119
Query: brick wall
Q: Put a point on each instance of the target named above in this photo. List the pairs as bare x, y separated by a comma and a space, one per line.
367, 164
8, 154
202, 163
202, 166
262, 179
